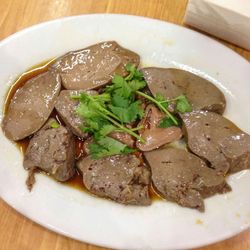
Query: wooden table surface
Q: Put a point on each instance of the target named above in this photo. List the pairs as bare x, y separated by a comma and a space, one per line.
17, 232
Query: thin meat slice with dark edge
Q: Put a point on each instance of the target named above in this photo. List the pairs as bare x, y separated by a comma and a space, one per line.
121, 178
202, 94
215, 139
51, 149
94, 66
184, 178
153, 135
31, 106
66, 107
124, 138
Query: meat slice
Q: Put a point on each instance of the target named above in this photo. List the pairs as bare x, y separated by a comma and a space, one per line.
202, 94
184, 178
205, 131
153, 135
94, 66
53, 151
31, 106
236, 149
120, 177
86, 144
124, 138
66, 107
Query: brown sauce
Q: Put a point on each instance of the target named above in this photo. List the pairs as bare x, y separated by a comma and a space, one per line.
76, 181
22, 79
19, 82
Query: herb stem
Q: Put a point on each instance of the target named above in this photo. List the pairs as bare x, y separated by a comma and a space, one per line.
131, 129
159, 105
102, 109
109, 113
123, 128
137, 128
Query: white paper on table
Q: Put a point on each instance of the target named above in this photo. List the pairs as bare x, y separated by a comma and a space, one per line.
226, 19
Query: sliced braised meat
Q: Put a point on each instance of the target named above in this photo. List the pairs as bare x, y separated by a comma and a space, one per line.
86, 145
124, 138
31, 180
153, 135
236, 149
31, 106
53, 151
120, 178
204, 131
184, 178
94, 66
202, 94
66, 107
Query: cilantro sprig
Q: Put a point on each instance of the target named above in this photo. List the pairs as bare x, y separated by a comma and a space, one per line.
182, 104
160, 105
138, 82
96, 114
116, 107
100, 122
123, 92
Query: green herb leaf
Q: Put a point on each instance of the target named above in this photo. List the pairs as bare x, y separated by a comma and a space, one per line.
105, 130
122, 92
120, 87
87, 129
108, 146
133, 72
121, 113
182, 104
120, 101
84, 111
54, 124
137, 85
135, 111
166, 122
160, 98
128, 114
95, 113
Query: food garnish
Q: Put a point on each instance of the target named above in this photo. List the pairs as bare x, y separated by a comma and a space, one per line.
54, 124
116, 107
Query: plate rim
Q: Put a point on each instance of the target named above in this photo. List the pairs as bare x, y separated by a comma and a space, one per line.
179, 26
40, 25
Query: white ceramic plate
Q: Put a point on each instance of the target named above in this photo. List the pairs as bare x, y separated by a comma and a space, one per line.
76, 214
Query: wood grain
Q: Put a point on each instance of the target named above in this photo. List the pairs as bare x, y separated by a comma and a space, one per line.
17, 232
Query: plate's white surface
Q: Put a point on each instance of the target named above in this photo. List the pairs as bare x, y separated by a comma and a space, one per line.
163, 225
